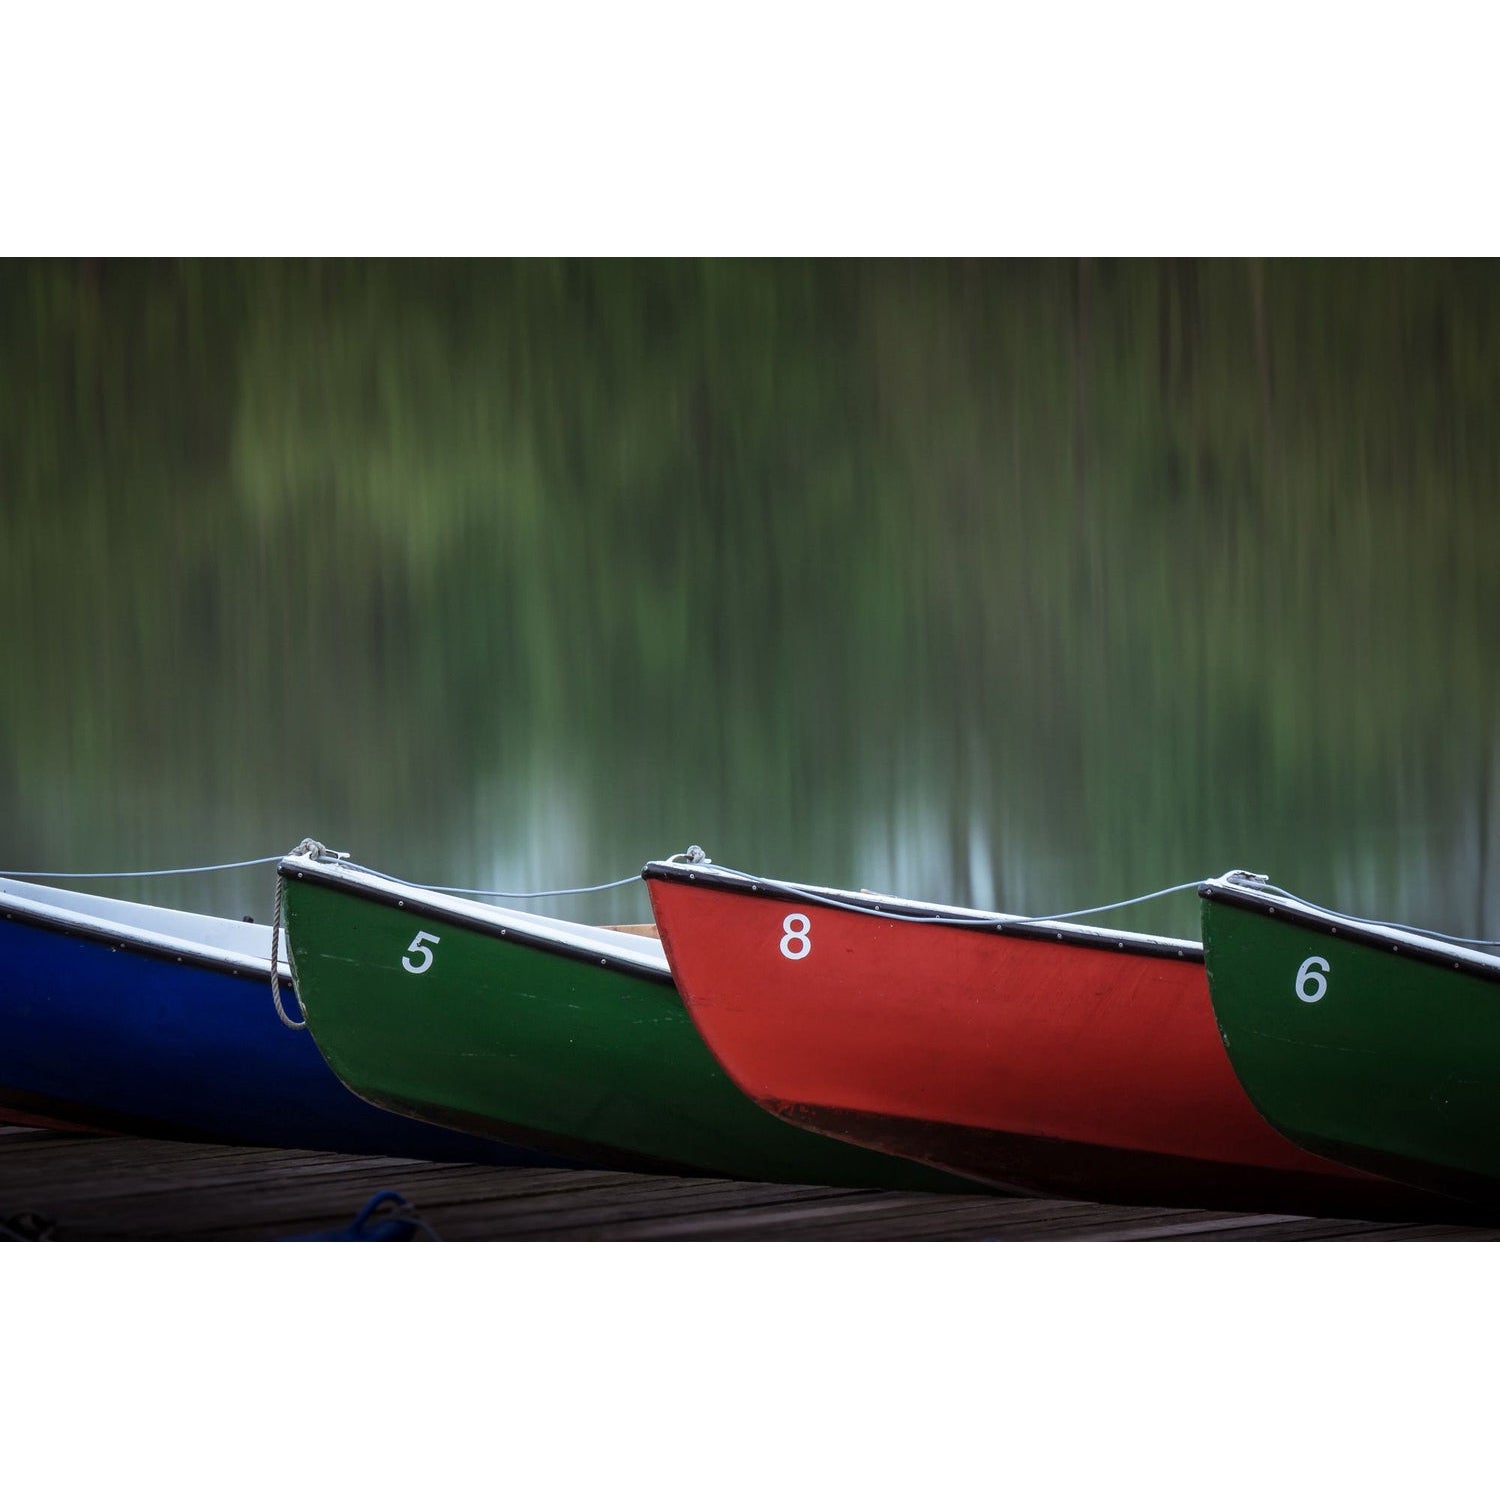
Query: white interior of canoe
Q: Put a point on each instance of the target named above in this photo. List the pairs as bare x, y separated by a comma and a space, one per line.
222, 938
187, 932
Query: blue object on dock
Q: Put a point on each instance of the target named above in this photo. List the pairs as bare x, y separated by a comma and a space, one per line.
144, 1020
400, 1222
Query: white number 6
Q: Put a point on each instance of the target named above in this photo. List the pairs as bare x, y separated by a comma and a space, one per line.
797, 935
416, 947
1311, 985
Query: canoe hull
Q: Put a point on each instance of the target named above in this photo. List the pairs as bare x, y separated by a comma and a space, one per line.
19, 1107
1361, 1045
96, 1034
530, 1040
1041, 1167
1071, 1065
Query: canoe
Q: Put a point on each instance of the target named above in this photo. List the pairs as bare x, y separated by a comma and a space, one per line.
544, 1032
1369, 1045
143, 1020
1047, 1058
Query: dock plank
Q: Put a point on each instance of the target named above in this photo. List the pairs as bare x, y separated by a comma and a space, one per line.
116, 1187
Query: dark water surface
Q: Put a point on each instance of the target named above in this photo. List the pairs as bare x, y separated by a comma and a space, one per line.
1025, 586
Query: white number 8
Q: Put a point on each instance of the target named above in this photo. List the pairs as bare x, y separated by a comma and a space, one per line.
1311, 985
797, 935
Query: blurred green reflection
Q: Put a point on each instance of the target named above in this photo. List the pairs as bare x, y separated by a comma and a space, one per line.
1022, 585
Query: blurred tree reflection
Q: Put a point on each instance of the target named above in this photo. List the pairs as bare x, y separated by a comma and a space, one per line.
1024, 583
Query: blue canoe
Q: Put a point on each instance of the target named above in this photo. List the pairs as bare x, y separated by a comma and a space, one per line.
143, 1020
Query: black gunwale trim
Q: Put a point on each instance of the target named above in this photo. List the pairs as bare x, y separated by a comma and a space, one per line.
1269, 904
1159, 947
491, 929
163, 948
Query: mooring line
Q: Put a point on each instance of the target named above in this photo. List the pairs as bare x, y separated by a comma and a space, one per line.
944, 919
802, 893
460, 890
239, 864
1341, 916
1088, 911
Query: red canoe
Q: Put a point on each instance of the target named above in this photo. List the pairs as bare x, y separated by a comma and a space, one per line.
1046, 1058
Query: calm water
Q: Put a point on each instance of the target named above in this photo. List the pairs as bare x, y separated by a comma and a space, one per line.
1026, 586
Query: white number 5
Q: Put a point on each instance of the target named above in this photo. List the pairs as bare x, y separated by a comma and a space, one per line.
1311, 985
416, 947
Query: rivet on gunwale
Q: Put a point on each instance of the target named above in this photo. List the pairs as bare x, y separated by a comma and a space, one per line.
401, 903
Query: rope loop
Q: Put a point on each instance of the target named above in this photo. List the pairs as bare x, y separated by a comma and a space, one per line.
312, 849
315, 850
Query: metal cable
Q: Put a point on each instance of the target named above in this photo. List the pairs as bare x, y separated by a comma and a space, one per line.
1442, 937
946, 919
239, 864
459, 890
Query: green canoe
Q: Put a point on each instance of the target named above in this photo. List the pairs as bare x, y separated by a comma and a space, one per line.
550, 1034
1372, 1046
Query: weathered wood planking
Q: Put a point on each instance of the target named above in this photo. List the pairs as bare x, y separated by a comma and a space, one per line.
113, 1187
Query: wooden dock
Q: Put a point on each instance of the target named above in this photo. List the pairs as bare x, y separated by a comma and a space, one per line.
113, 1187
